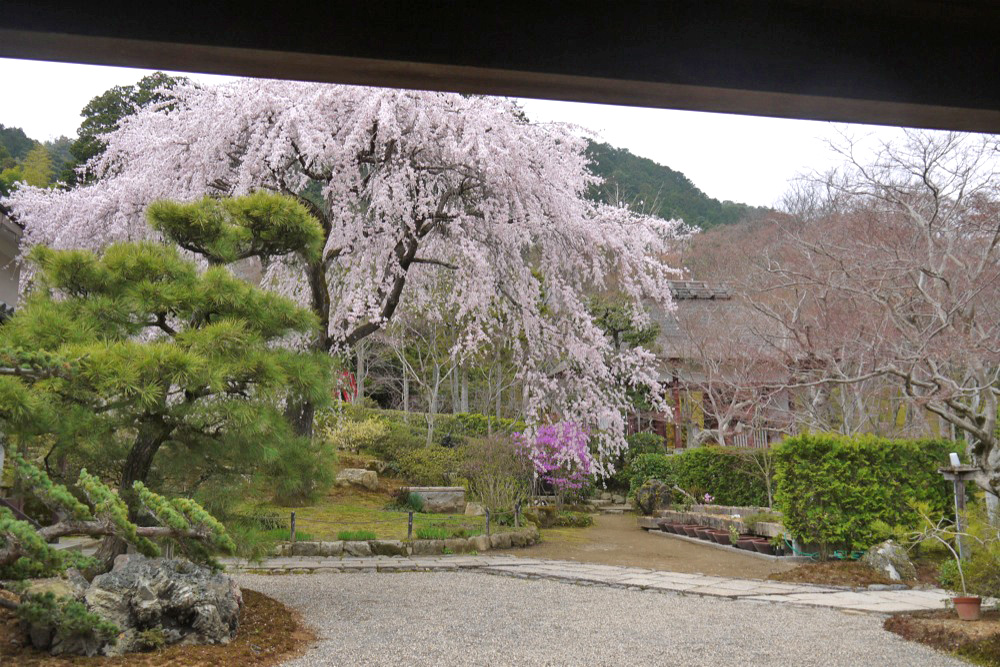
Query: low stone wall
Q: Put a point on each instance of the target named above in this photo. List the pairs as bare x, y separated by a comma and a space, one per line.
729, 510
766, 529
441, 499
523, 537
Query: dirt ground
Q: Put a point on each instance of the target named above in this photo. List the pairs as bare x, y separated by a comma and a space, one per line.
615, 539
977, 641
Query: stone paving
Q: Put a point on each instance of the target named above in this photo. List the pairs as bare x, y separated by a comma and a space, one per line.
587, 574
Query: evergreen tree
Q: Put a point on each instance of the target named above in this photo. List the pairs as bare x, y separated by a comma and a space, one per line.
132, 356
38, 167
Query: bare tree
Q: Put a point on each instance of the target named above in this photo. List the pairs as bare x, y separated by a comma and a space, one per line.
896, 277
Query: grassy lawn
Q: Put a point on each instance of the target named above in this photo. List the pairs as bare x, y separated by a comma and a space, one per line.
357, 510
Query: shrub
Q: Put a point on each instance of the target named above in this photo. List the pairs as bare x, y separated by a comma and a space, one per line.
560, 455
643, 443
574, 519
499, 477
429, 466
406, 501
722, 472
651, 496
835, 491
356, 535
645, 467
356, 435
303, 472
473, 424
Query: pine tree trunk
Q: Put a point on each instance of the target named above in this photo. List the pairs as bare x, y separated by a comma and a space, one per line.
151, 436
299, 414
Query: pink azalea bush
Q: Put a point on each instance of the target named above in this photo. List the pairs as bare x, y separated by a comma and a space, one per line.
560, 455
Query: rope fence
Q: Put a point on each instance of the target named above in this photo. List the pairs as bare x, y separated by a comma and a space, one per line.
486, 525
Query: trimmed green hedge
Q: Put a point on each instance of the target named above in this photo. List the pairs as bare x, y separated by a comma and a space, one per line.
832, 489
722, 472
645, 467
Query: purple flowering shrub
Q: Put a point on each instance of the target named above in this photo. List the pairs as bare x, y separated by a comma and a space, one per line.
560, 455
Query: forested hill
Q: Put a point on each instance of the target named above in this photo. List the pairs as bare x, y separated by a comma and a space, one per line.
638, 181
659, 190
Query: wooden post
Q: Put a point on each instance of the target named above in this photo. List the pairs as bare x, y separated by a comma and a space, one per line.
487, 522
517, 514
409, 526
292, 531
959, 518
678, 444
958, 476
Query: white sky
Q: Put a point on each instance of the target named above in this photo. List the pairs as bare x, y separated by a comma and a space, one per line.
742, 158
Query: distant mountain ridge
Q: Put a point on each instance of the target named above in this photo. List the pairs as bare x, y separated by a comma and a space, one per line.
659, 190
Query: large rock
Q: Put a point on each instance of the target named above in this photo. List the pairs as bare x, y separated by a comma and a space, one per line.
474, 509
441, 499
358, 477
890, 560
186, 603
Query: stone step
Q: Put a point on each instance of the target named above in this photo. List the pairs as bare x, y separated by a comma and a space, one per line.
616, 509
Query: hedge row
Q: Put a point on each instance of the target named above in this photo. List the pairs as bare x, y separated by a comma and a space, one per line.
726, 473
833, 489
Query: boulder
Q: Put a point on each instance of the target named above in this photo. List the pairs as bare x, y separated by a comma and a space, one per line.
427, 547
480, 543
72, 585
313, 549
474, 509
457, 545
440, 499
500, 540
618, 499
388, 548
184, 602
358, 477
357, 549
890, 560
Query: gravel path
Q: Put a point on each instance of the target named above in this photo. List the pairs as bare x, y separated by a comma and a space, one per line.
463, 618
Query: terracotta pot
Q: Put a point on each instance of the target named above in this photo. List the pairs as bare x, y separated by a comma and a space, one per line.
967, 607
722, 537
764, 547
745, 543
714, 534
703, 534
664, 526
690, 529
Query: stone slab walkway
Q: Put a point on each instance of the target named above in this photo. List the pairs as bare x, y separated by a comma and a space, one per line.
587, 574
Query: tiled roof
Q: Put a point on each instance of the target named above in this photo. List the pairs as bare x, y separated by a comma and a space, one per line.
697, 289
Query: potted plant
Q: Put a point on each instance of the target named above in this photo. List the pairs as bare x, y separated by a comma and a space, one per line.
968, 607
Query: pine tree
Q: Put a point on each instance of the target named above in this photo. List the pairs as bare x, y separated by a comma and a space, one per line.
134, 356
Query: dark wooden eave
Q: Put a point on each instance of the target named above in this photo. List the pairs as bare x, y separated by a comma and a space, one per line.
928, 63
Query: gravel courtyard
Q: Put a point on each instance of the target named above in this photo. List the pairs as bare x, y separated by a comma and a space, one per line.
464, 618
